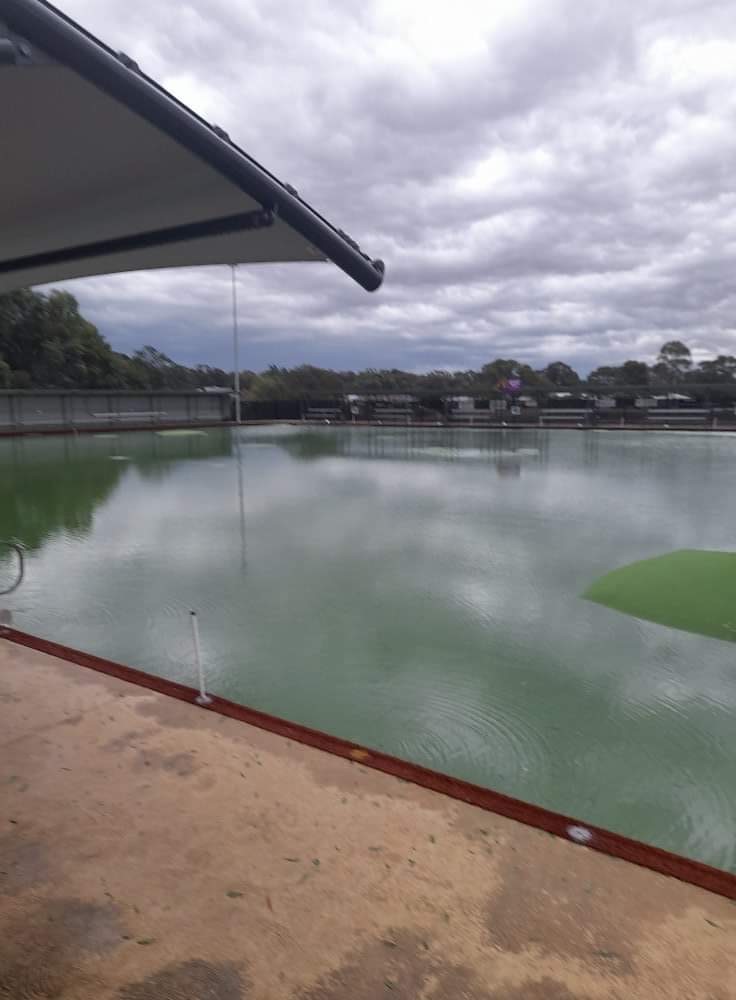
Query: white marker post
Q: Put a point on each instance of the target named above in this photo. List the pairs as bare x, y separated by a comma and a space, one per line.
202, 698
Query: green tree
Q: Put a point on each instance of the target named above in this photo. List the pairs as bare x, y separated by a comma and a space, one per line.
674, 361
207, 375
20, 315
21, 380
155, 370
634, 373
46, 342
721, 369
499, 370
561, 374
271, 384
605, 375
629, 373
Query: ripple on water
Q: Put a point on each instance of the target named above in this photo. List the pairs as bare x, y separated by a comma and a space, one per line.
462, 645
662, 698
707, 822
498, 739
212, 604
47, 620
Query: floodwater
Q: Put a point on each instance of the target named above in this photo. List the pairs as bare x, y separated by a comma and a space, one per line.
413, 590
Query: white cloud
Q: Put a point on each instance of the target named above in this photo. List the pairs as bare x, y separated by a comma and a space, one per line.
542, 179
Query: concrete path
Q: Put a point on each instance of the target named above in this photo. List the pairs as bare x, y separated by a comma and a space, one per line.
150, 850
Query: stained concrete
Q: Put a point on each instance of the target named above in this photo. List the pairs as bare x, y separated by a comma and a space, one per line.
150, 850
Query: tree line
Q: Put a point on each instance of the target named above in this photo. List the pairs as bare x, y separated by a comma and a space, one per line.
45, 342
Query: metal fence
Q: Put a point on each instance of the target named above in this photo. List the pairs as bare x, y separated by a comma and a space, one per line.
495, 413
56, 410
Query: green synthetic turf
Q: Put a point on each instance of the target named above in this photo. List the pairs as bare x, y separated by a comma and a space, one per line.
691, 589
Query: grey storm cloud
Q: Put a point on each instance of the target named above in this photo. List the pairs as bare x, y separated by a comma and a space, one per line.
544, 179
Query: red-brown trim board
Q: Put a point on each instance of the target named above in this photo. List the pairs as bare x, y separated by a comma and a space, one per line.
658, 860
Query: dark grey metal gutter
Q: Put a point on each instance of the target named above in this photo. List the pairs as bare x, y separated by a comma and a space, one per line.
38, 23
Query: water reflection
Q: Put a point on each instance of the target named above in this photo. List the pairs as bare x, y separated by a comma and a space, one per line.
508, 448
54, 484
417, 591
241, 500
591, 448
56, 489
509, 467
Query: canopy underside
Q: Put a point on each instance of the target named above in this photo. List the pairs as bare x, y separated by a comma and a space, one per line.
102, 171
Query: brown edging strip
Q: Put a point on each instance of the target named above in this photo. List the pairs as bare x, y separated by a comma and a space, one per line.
666, 863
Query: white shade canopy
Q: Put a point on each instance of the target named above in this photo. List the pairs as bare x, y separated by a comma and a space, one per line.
101, 171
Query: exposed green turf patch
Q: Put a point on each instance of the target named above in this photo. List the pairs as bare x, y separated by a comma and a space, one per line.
691, 589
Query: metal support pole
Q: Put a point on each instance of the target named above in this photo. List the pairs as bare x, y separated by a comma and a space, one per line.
241, 501
236, 360
202, 698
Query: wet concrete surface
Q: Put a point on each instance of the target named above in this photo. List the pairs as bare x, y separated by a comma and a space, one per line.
150, 849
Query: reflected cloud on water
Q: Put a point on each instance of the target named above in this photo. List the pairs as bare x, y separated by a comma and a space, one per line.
505, 447
415, 590
54, 484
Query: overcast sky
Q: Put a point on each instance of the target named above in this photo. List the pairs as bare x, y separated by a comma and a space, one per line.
544, 179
